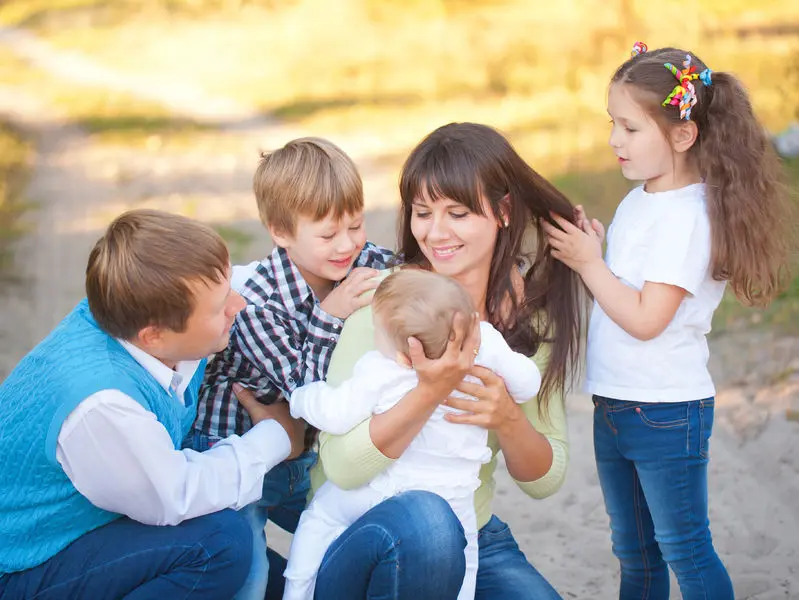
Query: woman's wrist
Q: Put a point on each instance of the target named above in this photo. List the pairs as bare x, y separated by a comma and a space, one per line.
430, 394
514, 423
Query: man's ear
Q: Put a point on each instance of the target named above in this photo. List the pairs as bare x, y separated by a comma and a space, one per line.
149, 338
280, 237
683, 136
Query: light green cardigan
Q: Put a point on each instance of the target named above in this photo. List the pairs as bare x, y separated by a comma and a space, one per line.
352, 460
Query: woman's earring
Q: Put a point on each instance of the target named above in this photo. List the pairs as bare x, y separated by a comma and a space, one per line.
504, 221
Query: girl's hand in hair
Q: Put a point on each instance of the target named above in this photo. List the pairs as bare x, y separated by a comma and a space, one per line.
578, 249
584, 223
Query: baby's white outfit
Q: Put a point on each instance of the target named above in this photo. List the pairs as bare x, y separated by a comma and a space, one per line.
444, 458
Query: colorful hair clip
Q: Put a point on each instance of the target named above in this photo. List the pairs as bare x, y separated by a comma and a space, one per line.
638, 48
683, 94
706, 77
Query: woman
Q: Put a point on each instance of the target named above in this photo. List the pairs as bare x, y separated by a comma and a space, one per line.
467, 201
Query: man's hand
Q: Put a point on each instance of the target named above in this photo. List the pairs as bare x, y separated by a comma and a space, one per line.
349, 295
278, 411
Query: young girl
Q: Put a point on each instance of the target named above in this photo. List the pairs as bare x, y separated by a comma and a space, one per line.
711, 211
444, 458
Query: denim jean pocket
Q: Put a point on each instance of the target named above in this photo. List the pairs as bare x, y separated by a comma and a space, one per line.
663, 416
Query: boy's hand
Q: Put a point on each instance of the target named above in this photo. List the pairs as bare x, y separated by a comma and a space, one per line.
278, 411
349, 296
584, 223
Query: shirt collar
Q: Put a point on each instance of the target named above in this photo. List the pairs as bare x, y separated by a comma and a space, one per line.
172, 381
291, 285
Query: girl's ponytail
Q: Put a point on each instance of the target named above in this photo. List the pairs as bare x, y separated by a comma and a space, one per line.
747, 200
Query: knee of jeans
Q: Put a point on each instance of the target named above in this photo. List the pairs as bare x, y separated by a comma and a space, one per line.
634, 557
689, 555
230, 542
430, 521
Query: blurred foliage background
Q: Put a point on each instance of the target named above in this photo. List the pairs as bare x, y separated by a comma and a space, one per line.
390, 71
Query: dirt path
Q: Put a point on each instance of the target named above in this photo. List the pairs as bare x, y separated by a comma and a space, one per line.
80, 185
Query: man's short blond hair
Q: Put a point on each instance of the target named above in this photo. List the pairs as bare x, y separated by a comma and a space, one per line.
139, 273
420, 304
309, 177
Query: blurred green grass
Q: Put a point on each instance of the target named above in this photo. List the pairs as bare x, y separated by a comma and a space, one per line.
395, 70
15, 155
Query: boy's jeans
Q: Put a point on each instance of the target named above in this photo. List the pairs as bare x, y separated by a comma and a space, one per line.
284, 496
652, 464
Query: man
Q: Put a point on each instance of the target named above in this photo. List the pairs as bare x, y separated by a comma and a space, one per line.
96, 498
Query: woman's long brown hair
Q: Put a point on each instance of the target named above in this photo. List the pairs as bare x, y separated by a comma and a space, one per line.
465, 162
747, 201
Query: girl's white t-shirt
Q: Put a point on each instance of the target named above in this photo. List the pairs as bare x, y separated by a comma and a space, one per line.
663, 238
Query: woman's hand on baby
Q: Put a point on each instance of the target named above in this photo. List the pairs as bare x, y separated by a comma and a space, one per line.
493, 407
577, 248
277, 411
349, 295
440, 376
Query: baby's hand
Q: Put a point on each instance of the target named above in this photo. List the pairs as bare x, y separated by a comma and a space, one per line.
349, 296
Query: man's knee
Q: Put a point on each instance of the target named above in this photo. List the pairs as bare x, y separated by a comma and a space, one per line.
227, 545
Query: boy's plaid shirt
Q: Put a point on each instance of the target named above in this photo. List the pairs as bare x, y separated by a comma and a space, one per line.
281, 340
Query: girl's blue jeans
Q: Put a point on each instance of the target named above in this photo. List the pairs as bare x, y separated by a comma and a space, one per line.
652, 463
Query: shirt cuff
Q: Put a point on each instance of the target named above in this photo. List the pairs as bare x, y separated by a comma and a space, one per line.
552, 480
323, 327
268, 441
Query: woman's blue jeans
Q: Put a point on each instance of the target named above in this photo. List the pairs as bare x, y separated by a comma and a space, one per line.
410, 547
652, 463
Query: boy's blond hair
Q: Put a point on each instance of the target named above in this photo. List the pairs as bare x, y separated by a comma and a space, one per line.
139, 273
308, 177
420, 304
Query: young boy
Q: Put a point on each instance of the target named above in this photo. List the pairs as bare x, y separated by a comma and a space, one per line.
310, 198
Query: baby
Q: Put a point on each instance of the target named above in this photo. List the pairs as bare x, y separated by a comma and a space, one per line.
444, 458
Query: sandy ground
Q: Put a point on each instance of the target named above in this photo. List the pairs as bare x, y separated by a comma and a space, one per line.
80, 185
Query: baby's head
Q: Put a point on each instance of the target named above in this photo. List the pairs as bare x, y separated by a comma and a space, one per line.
419, 304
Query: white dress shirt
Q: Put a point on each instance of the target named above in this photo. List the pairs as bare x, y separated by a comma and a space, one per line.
117, 454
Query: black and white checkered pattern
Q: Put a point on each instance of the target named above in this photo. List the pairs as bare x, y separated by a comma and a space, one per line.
281, 340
